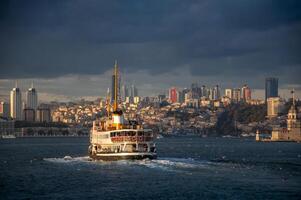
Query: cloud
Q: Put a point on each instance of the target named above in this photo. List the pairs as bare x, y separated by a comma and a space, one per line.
238, 40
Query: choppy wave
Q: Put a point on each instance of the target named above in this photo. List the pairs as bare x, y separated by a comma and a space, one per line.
169, 164
69, 159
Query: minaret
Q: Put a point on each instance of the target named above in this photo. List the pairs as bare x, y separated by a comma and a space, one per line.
292, 114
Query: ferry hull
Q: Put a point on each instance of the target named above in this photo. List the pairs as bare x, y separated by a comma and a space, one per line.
123, 156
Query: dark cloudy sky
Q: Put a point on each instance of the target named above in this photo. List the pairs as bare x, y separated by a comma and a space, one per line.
68, 47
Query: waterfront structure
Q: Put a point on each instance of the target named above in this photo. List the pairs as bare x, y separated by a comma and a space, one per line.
4, 109
293, 130
114, 138
228, 93
43, 115
246, 93
32, 98
271, 87
16, 103
274, 106
173, 95
7, 126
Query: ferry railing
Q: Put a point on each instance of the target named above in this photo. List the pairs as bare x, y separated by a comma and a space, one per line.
131, 139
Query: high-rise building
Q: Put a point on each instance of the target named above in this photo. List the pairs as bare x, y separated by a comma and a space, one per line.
236, 95
204, 91
246, 93
210, 93
196, 91
134, 91
173, 95
181, 95
16, 103
4, 109
228, 93
125, 92
271, 87
216, 92
32, 98
274, 106
29, 114
43, 114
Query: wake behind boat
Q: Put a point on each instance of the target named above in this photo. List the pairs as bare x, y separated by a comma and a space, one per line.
114, 138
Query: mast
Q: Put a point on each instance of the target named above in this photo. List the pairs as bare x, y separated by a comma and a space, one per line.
293, 94
115, 106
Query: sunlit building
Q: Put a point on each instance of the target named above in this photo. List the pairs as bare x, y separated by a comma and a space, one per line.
228, 93
246, 93
4, 109
236, 95
16, 103
173, 95
293, 130
274, 106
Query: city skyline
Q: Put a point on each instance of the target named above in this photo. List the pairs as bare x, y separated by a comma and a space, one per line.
158, 45
62, 95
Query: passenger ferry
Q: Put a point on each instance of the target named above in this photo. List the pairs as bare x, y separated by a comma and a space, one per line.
114, 138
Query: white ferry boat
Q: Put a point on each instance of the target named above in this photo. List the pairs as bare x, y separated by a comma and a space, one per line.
114, 138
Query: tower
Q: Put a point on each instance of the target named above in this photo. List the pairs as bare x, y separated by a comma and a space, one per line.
32, 98
271, 87
292, 115
16, 103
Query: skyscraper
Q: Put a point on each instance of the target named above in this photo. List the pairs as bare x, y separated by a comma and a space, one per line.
173, 95
16, 103
32, 98
204, 91
246, 93
216, 92
134, 91
228, 93
236, 95
271, 87
125, 92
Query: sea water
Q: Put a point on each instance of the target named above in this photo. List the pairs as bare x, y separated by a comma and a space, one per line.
186, 168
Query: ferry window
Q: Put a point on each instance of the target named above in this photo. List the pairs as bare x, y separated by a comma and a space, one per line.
133, 133
140, 133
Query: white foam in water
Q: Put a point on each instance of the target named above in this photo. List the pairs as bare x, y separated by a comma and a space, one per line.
68, 159
169, 164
